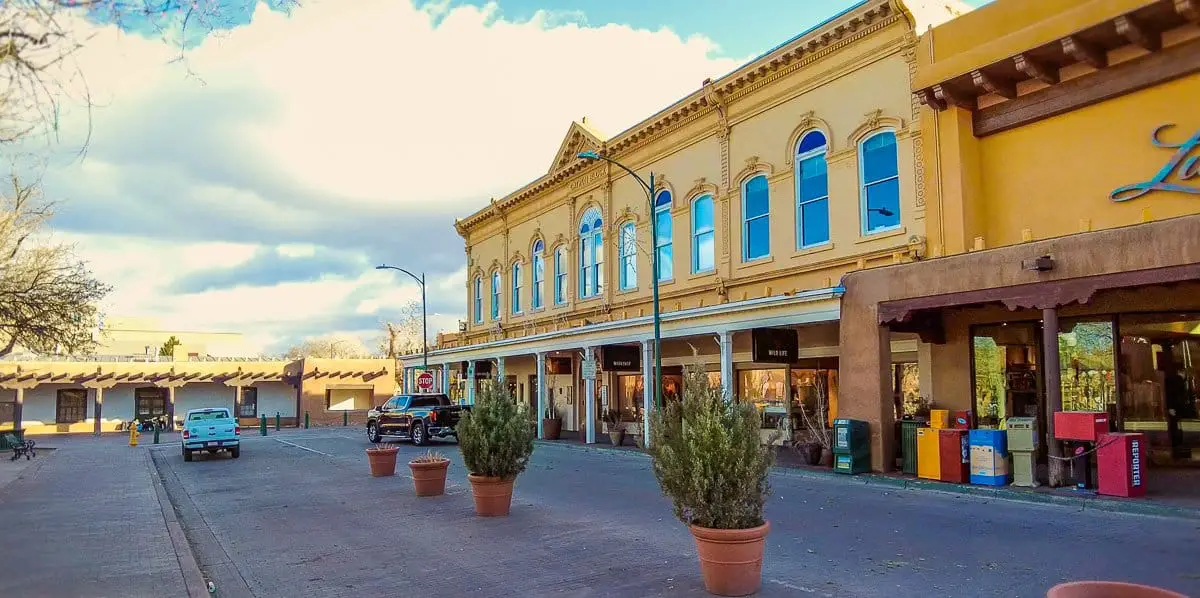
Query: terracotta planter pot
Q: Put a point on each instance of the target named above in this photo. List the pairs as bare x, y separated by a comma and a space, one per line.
1108, 589
552, 428
731, 559
493, 496
429, 479
383, 461
826, 457
617, 438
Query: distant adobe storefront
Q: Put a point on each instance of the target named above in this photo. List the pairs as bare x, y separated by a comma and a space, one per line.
1063, 225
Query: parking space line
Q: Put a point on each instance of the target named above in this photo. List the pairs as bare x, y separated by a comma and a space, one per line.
305, 448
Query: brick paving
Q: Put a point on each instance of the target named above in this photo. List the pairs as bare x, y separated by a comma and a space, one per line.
87, 522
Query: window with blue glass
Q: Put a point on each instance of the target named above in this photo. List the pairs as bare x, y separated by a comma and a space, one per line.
560, 276
812, 191
496, 295
628, 241
591, 254
880, 182
703, 235
478, 300
663, 245
756, 219
539, 273
516, 289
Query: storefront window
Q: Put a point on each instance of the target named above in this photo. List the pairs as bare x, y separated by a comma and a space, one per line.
629, 396
1087, 364
814, 398
906, 384
1160, 382
1007, 372
765, 389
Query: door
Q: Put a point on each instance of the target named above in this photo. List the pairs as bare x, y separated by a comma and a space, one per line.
149, 403
387, 415
533, 398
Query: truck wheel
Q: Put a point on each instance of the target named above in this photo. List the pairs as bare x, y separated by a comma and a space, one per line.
373, 432
187, 455
235, 452
418, 435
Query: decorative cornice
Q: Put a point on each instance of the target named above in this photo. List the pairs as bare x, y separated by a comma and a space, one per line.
754, 166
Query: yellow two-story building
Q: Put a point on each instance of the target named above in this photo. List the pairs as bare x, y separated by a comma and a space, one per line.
769, 185
1062, 211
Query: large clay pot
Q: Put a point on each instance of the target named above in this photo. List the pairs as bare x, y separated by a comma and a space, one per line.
1108, 589
552, 428
429, 478
826, 457
383, 461
493, 496
731, 559
617, 437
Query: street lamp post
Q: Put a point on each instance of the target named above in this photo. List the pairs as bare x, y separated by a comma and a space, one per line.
424, 320
649, 187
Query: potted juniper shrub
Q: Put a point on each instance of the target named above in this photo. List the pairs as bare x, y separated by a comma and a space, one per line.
551, 422
496, 443
382, 458
709, 458
616, 429
429, 473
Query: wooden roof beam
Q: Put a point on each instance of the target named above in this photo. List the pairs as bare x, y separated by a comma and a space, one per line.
1036, 69
953, 98
927, 97
1085, 51
993, 84
1138, 34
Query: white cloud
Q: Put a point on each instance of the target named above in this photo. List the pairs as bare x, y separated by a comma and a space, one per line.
363, 127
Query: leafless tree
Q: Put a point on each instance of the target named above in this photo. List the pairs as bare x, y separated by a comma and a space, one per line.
329, 347
48, 298
402, 336
38, 39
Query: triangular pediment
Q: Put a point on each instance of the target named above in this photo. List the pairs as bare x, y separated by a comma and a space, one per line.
580, 137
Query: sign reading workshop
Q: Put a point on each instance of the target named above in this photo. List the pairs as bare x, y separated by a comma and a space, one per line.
775, 345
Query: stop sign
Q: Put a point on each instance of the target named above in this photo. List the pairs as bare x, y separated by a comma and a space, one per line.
425, 381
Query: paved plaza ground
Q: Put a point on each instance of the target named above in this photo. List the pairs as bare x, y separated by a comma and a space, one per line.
298, 515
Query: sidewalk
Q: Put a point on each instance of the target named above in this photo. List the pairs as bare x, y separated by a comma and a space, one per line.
87, 522
1062, 496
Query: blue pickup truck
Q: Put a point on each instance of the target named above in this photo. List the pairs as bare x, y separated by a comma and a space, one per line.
211, 430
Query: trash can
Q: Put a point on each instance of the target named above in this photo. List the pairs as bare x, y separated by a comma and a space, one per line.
851, 446
908, 444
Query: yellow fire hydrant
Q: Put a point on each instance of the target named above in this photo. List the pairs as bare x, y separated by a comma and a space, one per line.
133, 435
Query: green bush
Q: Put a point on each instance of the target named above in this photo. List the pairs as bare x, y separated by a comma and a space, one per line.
709, 458
494, 436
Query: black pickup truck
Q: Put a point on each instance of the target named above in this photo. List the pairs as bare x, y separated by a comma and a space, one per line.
414, 417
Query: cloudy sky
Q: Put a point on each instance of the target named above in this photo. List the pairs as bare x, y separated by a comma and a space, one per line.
253, 186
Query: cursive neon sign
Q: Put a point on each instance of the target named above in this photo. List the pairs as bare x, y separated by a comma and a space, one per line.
1183, 164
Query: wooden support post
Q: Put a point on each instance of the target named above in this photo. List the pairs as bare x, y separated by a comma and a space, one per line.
1053, 380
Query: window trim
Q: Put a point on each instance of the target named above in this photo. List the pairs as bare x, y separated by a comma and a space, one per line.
516, 279
560, 271
822, 153
478, 299
73, 393
669, 243
712, 230
537, 299
862, 184
591, 253
746, 221
624, 283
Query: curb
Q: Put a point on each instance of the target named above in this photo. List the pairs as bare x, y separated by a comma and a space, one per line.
193, 579
1083, 503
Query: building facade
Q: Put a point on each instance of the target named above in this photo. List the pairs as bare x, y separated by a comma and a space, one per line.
1063, 223
770, 184
73, 396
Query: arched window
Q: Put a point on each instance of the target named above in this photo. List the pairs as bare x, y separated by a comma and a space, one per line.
880, 182
812, 191
560, 276
756, 219
628, 241
591, 254
496, 295
478, 294
516, 288
539, 272
663, 245
703, 246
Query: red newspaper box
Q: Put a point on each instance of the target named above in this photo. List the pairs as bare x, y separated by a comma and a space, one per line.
1082, 426
954, 456
962, 420
1120, 465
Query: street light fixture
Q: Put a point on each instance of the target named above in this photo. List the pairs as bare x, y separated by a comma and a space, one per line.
424, 320
649, 188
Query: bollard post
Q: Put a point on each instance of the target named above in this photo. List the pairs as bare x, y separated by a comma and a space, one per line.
262, 425
305, 420
345, 418
156, 434
276, 421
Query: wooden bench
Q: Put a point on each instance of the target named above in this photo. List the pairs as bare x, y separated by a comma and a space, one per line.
20, 447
